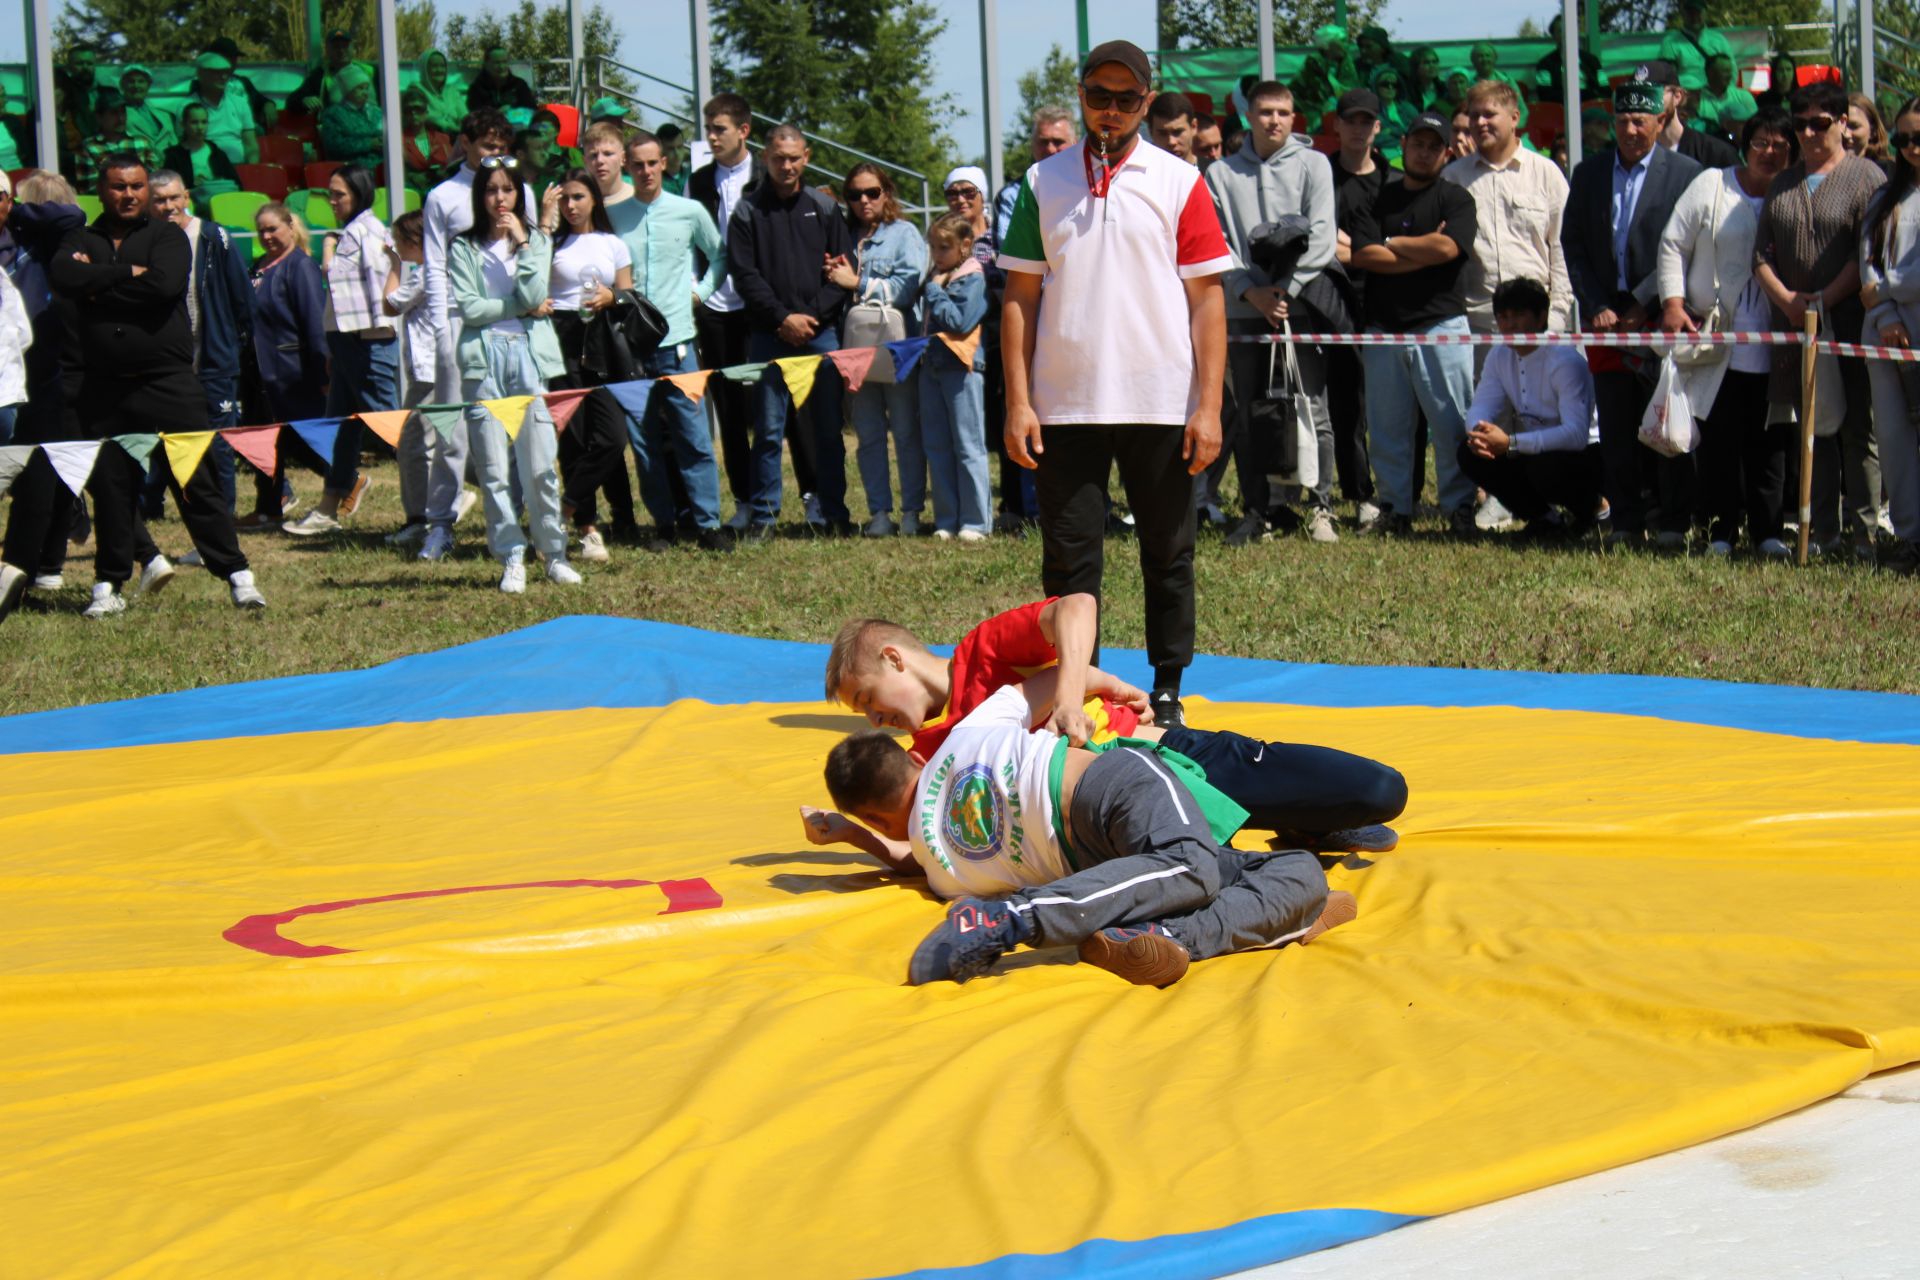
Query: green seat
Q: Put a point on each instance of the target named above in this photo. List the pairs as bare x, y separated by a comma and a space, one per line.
234, 210
381, 204
318, 214
89, 205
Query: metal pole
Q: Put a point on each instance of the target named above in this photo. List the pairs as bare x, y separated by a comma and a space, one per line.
1080, 27
316, 33
390, 95
990, 80
577, 54
1570, 34
46, 124
1808, 407
1266, 39
702, 55
1340, 16
1867, 51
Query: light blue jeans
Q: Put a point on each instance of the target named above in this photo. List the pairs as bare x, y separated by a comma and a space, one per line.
953, 426
511, 372
1437, 381
877, 408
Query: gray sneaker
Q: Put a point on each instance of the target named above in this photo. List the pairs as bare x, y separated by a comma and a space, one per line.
1320, 526
439, 542
1252, 528
881, 526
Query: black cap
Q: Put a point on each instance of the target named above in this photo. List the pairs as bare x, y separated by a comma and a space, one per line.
1358, 100
1431, 120
339, 37
226, 48
1126, 53
1659, 72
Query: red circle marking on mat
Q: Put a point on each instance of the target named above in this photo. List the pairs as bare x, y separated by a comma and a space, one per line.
262, 933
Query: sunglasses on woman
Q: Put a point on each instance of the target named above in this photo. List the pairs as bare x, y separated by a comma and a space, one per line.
864, 193
1901, 141
499, 162
1127, 100
1813, 124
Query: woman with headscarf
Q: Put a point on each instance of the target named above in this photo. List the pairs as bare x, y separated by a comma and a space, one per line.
446, 95
354, 129
1396, 113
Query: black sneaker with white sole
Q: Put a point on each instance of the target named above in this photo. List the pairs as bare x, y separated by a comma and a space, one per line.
1167, 711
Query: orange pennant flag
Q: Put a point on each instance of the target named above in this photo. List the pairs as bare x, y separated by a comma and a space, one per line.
853, 363
962, 347
387, 424
562, 405
691, 385
260, 446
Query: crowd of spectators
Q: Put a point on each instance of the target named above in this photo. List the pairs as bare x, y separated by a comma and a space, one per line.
527, 267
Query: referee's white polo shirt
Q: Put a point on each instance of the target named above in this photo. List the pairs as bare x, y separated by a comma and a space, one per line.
1115, 344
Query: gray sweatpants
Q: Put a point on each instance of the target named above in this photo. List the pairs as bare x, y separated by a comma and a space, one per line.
1153, 859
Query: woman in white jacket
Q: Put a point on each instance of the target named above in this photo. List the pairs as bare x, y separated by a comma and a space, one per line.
16, 335
1706, 266
1890, 289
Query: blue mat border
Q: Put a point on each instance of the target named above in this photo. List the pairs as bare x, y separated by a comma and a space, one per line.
575, 663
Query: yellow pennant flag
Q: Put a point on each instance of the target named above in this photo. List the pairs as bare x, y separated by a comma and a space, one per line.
184, 451
387, 424
799, 372
510, 410
691, 385
962, 347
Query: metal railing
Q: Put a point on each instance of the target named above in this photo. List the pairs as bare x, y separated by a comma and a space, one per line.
600, 88
1896, 61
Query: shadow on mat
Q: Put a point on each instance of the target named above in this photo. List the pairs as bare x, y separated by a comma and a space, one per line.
858, 882
833, 724
819, 857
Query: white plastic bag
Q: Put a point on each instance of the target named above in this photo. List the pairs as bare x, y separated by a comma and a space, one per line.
1668, 427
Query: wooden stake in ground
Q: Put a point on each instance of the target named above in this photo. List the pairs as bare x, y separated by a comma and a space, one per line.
1807, 357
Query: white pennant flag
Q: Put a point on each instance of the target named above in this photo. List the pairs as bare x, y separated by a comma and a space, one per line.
73, 461
13, 460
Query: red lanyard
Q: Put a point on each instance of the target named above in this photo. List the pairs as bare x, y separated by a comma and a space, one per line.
1100, 181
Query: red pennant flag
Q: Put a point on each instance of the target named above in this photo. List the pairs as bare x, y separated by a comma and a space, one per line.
260, 446
562, 405
853, 363
387, 424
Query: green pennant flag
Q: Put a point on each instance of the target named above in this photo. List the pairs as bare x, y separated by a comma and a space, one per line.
443, 418
140, 445
744, 372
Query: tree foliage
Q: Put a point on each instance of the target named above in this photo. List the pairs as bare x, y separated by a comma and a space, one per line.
1054, 83
265, 30
535, 34
1235, 24
856, 71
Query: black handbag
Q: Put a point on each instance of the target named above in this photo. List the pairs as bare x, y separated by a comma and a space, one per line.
617, 338
1273, 421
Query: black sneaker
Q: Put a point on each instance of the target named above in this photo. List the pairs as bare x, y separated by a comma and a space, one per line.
1146, 955
714, 540
1389, 525
975, 933
1373, 838
1252, 528
1167, 711
1460, 524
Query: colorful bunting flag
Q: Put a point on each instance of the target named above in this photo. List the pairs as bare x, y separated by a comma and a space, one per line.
906, 354
744, 372
510, 412
799, 373
445, 419
184, 451
387, 424
260, 446
139, 445
962, 347
854, 364
691, 385
73, 461
320, 435
13, 460
633, 396
562, 405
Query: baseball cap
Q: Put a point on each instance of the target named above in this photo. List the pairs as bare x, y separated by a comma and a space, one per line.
1126, 53
607, 109
1358, 100
132, 69
211, 61
1659, 72
1433, 121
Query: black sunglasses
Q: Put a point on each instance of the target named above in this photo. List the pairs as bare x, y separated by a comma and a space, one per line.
1813, 124
864, 193
962, 193
499, 162
1127, 100
1901, 141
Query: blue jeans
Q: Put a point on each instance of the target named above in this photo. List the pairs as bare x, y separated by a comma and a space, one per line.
819, 428
7, 415
366, 377
877, 408
953, 425
1437, 381
674, 431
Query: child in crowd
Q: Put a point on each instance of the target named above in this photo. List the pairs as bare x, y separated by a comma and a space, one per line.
498, 269
1120, 853
406, 295
953, 420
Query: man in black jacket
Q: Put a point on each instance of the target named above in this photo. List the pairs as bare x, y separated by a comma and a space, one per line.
497, 88
1616, 209
130, 371
780, 237
720, 324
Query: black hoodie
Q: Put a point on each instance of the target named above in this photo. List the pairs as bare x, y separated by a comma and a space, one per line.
126, 325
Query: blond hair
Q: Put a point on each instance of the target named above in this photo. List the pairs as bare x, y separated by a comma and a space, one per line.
604, 131
1497, 92
301, 236
43, 186
857, 647
952, 229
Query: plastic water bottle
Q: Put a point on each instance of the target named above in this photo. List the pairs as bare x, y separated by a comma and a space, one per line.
589, 286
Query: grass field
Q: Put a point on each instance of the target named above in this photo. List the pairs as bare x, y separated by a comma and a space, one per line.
349, 601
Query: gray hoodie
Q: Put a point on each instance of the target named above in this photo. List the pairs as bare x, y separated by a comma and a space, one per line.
1249, 191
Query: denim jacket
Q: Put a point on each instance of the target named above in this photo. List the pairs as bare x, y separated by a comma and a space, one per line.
958, 309
893, 262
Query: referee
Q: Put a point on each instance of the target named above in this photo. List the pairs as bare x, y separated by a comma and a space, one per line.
1123, 363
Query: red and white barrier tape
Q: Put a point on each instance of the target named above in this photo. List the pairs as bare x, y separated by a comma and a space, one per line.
1827, 346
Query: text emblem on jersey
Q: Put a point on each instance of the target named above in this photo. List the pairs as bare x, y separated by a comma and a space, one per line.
976, 815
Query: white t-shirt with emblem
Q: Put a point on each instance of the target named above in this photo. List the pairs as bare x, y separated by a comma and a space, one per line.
982, 813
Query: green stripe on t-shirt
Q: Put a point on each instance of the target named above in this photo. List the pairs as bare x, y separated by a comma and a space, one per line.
1023, 229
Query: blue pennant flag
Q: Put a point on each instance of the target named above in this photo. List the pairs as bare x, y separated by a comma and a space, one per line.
633, 396
319, 434
906, 354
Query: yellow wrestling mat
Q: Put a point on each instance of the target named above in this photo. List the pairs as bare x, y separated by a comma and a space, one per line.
564, 993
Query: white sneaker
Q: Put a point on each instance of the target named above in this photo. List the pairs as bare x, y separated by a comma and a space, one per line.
13, 585
1320, 526
49, 581
311, 525
944, 535
439, 541
245, 594
463, 504
1720, 547
409, 535
972, 536
106, 602
1367, 514
1774, 549
593, 548
559, 571
1492, 516
155, 576
513, 579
